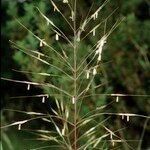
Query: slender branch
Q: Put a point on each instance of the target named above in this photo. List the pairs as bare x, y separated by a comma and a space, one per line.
116, 114
48, 20
63, 15
38, 84
41, 40
75, 78
43, 61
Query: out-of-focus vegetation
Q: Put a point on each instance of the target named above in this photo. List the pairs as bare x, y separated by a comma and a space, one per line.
127, 67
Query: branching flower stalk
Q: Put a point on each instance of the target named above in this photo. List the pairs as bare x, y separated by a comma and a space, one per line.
75, 78
75, 132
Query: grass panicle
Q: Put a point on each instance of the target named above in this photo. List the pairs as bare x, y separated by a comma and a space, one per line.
75, 131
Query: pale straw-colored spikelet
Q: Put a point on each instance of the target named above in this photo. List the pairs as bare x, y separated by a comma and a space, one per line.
113, 143
72, 15
43, 99
19, 127
111, 135
117, 99
65, 1
57, 37
63, 131
42, 43
55, 7
94, 71
128, 118
93, 32
83, 25
78, 36
95, 15
87, 74
99, 57
73, 100
99, 47
67, 113
111, 138
28, 87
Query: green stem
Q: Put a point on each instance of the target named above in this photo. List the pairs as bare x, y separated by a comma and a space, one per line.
75, 80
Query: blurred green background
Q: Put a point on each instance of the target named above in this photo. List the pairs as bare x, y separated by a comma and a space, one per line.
127, 70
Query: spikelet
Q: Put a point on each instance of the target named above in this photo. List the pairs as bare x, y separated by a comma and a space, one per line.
63, 129
113, 143
55, 7
72, 15
57, 37
94, 71
99, 47
117, 99
83, 25
128, 118
78, 36
94, 32
73, 100
28, 87
95, 15
87, 74
42, 43
65, 1
19, 127
43, 99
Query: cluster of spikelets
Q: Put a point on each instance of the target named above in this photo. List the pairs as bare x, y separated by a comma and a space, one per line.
75, 132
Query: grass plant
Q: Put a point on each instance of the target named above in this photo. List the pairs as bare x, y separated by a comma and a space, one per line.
73, 128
